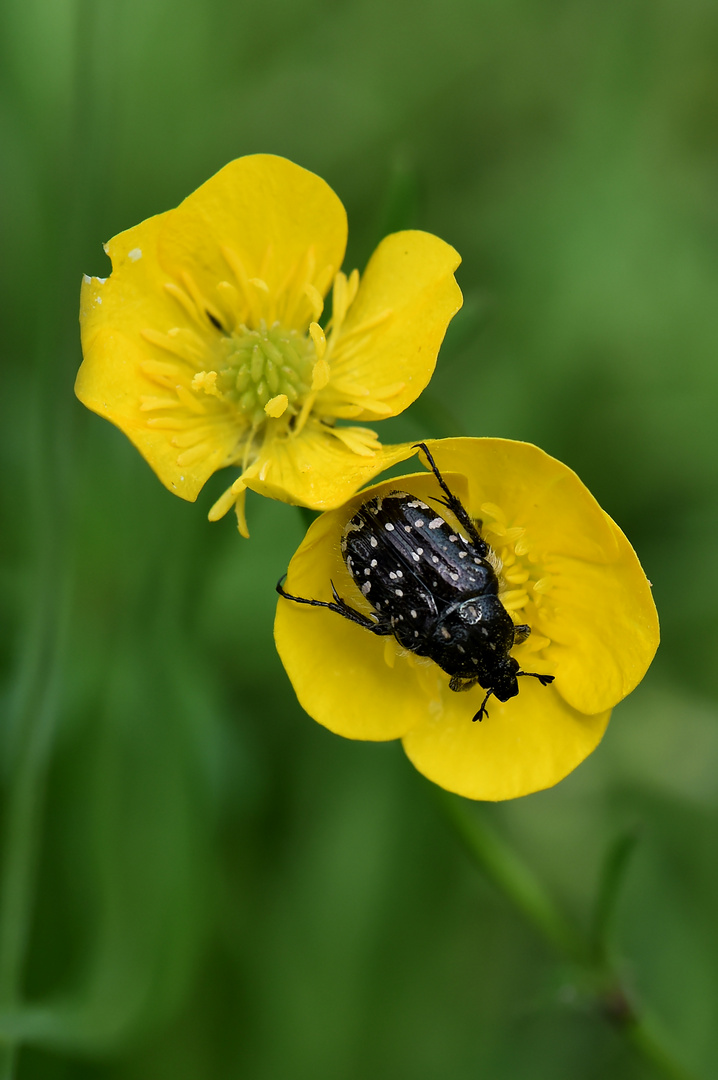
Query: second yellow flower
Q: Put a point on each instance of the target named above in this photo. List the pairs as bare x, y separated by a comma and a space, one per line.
206, 344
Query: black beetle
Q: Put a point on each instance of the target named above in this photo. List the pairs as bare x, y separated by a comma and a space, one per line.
433, 588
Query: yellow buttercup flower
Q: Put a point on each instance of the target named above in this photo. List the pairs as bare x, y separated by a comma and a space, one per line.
206, 345
566, 570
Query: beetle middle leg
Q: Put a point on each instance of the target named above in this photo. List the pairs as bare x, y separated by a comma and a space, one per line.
462, 682
341, 608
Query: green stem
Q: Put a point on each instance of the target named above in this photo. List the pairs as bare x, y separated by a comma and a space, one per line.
650, 1043
612, 875
505, 868
24, 813
30, 726
515, 880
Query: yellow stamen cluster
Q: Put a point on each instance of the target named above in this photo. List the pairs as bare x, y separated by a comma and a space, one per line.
522, 576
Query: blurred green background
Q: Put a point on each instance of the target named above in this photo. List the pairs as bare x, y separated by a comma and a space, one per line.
197, 880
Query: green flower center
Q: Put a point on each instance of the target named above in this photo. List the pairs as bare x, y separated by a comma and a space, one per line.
256, 366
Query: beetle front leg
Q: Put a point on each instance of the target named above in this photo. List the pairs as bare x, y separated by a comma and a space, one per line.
483, 711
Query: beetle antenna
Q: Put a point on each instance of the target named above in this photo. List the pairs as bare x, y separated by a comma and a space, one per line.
543, 679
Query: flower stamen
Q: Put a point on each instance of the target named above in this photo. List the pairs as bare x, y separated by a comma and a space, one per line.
277, 406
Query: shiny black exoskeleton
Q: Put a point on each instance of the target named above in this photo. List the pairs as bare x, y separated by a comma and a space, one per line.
432, 587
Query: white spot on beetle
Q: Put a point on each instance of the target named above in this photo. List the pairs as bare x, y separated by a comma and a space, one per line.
400, 573
413, 613
398, 592
407, 528
419, 522
419, 551
373, 562
392, 575
366, 587
436, 523
415, 557
389, 527
373, 541
453, 538
463, 554
434, 558
367, 571
454, 577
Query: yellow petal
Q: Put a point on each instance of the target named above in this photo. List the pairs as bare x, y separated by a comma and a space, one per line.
395, 327
599, 612
604, 628
524, 745
533, 490
134, 358
318, 470
284, 226
134, 297
337, 668
184, 447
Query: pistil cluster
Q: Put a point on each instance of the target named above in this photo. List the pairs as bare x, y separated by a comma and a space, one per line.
262, 372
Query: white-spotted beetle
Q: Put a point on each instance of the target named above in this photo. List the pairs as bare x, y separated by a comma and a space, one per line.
433, 588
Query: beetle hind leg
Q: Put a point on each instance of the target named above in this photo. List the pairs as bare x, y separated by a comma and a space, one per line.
521, 633
453, 503
340, 607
